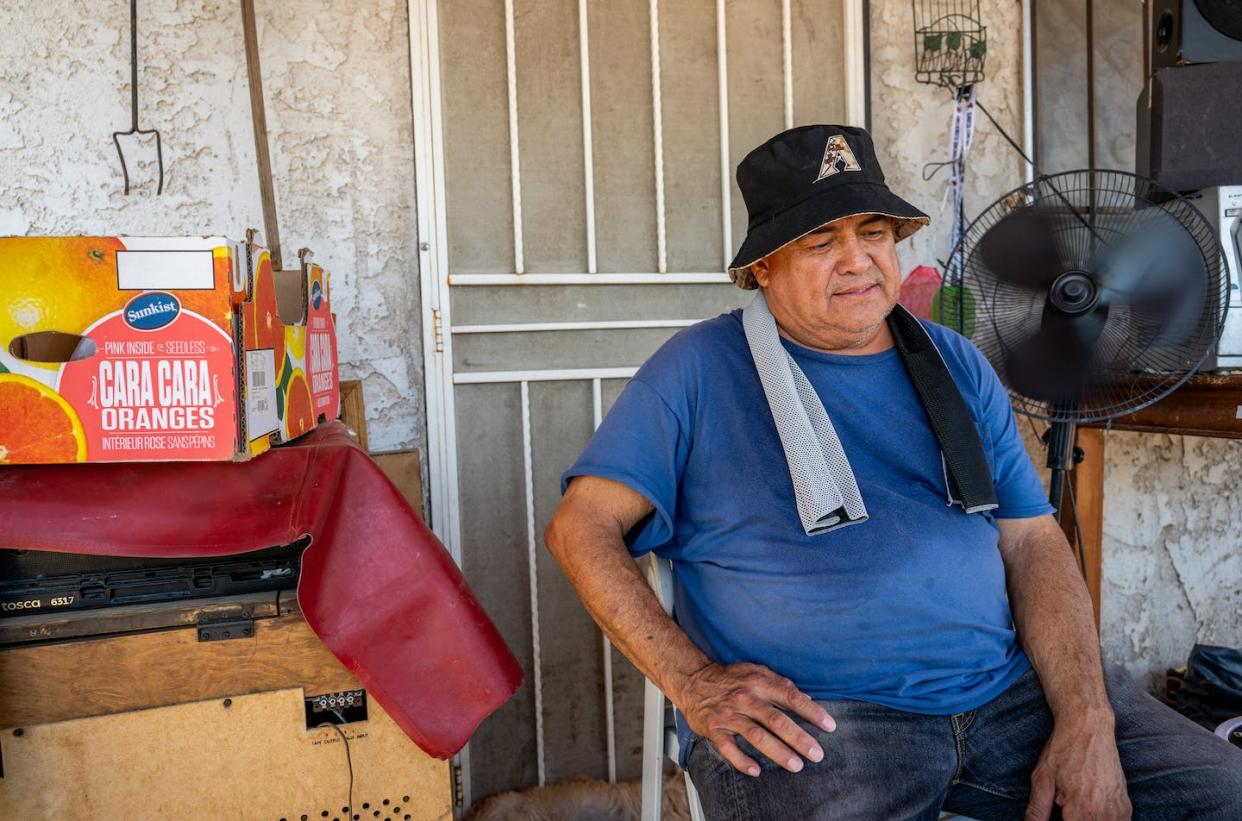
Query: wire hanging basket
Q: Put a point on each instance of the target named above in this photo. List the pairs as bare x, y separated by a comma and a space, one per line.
950, 42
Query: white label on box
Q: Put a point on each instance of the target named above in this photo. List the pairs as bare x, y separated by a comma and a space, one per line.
165, 270
261, 418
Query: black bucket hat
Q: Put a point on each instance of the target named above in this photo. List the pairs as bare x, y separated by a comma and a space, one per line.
807, 177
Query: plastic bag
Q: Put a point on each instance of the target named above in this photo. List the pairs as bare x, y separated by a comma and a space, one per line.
1211, 692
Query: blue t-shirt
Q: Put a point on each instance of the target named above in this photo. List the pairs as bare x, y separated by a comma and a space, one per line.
907, 609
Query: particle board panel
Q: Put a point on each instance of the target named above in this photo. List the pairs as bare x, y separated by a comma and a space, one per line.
245, 757
66, 680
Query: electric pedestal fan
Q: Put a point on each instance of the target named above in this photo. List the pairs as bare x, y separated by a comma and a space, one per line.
1092, 293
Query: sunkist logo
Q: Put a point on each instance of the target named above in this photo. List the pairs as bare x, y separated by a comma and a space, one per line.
151, 311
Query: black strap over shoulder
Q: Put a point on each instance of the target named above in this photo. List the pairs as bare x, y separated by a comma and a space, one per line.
967, 473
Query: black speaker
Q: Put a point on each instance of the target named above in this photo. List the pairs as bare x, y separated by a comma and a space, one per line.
1195, 31
1189, 132
35, 581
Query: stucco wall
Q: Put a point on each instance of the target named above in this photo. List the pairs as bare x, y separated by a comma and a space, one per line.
338, 108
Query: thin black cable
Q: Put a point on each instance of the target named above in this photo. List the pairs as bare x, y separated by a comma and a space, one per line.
1003, 133
1079, 547
1039, 437
133, 60
1039, 177
349, 761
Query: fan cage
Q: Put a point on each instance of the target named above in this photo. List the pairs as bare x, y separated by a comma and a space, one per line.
1130, 373
950, 42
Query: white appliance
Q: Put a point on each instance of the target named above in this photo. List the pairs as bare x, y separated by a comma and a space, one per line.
1223, 208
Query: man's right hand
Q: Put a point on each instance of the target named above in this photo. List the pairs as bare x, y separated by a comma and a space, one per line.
721, 703
587, 537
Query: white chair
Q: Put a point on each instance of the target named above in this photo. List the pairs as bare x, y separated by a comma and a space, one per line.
659, 736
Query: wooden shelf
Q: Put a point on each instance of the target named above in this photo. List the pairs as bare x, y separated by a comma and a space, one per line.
1207, 405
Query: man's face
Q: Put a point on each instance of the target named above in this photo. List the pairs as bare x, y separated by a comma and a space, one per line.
832, 289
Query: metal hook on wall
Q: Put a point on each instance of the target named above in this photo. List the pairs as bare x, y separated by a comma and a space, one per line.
134, 129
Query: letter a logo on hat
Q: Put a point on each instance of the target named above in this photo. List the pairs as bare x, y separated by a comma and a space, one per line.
837, 157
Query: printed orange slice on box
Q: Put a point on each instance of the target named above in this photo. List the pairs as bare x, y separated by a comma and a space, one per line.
295, 344
299, 409
263, 326
56, 286
36, 425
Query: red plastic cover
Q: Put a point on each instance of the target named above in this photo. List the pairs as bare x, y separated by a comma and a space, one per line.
376, 586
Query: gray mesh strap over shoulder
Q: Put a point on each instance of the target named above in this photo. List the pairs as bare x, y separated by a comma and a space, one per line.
825, 490
824, 486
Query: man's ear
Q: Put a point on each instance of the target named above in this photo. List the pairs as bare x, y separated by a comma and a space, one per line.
761, 271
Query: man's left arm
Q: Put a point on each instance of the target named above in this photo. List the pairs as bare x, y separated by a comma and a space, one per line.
1079, 769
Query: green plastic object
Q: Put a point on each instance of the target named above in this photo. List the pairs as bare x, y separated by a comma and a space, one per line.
954, 308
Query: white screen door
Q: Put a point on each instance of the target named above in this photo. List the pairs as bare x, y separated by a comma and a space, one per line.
576, 204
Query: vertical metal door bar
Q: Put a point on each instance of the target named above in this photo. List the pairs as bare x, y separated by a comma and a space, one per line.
584, 50
519, 264
855, 63
658, 129
609, 715
532, 568
722, 72
787, 55
1028, 91
1090, 26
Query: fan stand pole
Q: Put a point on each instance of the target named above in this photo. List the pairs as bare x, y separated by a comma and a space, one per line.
1060, 460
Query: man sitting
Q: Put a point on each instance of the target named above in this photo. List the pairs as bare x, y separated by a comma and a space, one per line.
876, 614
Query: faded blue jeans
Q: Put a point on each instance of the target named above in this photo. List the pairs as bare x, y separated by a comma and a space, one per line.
884, 764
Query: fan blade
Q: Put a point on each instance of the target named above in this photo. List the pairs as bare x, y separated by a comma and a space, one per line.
1021, 249
1054, 364
1158, 271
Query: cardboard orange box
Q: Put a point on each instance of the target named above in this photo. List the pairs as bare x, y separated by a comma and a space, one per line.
159, 349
